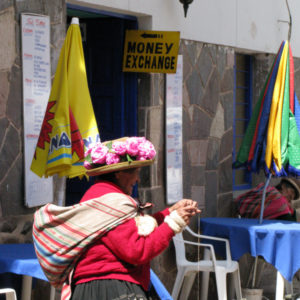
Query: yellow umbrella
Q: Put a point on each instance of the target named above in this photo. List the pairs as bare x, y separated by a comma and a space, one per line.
69, 124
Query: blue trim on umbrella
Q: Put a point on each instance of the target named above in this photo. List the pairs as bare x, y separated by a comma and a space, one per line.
65, 155
293, 171
281, 173
297, 113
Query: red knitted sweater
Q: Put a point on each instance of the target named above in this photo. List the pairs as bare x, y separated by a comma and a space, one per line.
121, 253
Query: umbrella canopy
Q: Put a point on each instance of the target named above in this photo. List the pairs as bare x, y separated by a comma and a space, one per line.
69, 123
272, 140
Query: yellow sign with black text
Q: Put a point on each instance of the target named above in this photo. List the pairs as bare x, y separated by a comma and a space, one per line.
151, 51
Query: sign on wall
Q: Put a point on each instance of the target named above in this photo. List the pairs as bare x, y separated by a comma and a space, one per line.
174, 134
151, 51
36, 90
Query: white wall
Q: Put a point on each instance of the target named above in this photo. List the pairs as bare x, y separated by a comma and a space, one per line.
253, 25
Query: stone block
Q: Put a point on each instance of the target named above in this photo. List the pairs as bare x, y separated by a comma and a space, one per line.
186, 126
4, 4
155, 126
9, 151
12, 191
226, 206
186, 174
217, 126
227, 102
57, 10
155, 90
144, 84
226, 145
205, 65
211, 193
230, 59
15, 101
159, 166
30, 5
142, 119
156, 196
4, 84
16, 233
193, 50
221, 61
227, 83
296, 64
57, 37
213, 49
187, 65
3, 126
7, 33
197, 175
185, 96
197, 151
194, 87
213, 153
201, 124
225, 176
211, 96
198, 195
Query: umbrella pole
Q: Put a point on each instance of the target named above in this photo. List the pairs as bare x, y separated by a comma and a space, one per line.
254, 272
260, 221
264, 198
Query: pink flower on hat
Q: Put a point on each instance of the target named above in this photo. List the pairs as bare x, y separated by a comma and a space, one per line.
98, 154
114, 152
119, 147
146, 150
87, 165
112, 158
88, 151
132, 146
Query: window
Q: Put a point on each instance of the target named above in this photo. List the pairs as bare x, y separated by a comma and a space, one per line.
242, 113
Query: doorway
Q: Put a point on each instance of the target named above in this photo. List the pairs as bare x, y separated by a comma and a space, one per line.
113, 92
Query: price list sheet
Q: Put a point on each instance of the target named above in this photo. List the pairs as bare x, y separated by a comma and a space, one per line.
36, 90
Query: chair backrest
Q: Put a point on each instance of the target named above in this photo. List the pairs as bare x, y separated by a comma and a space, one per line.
9, 293
179, 248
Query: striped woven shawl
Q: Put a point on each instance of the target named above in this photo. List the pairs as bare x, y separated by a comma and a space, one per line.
61, 234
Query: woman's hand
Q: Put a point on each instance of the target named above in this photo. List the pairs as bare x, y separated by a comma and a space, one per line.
181, 213
186, 208
185, 203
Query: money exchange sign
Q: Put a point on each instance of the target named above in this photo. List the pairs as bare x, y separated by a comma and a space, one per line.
151, 51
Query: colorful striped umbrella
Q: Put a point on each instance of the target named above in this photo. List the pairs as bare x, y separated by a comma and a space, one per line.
272, 139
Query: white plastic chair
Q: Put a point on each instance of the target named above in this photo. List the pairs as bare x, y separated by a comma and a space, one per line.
9, 293
187, 270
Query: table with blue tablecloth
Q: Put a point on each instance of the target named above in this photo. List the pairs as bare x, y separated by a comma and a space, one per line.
278, 242
21, 259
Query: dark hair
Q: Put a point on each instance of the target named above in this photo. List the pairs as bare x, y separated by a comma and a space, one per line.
111, 177
107, 177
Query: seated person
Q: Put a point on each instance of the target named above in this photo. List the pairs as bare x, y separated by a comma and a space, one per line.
278, 202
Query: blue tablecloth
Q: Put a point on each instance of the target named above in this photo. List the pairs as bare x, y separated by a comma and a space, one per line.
278, 242
20, 259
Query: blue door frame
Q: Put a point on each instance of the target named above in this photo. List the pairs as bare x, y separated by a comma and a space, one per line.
113, 92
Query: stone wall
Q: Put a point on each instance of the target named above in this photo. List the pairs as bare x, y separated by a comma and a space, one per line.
15, 218
207, 138
11, 102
